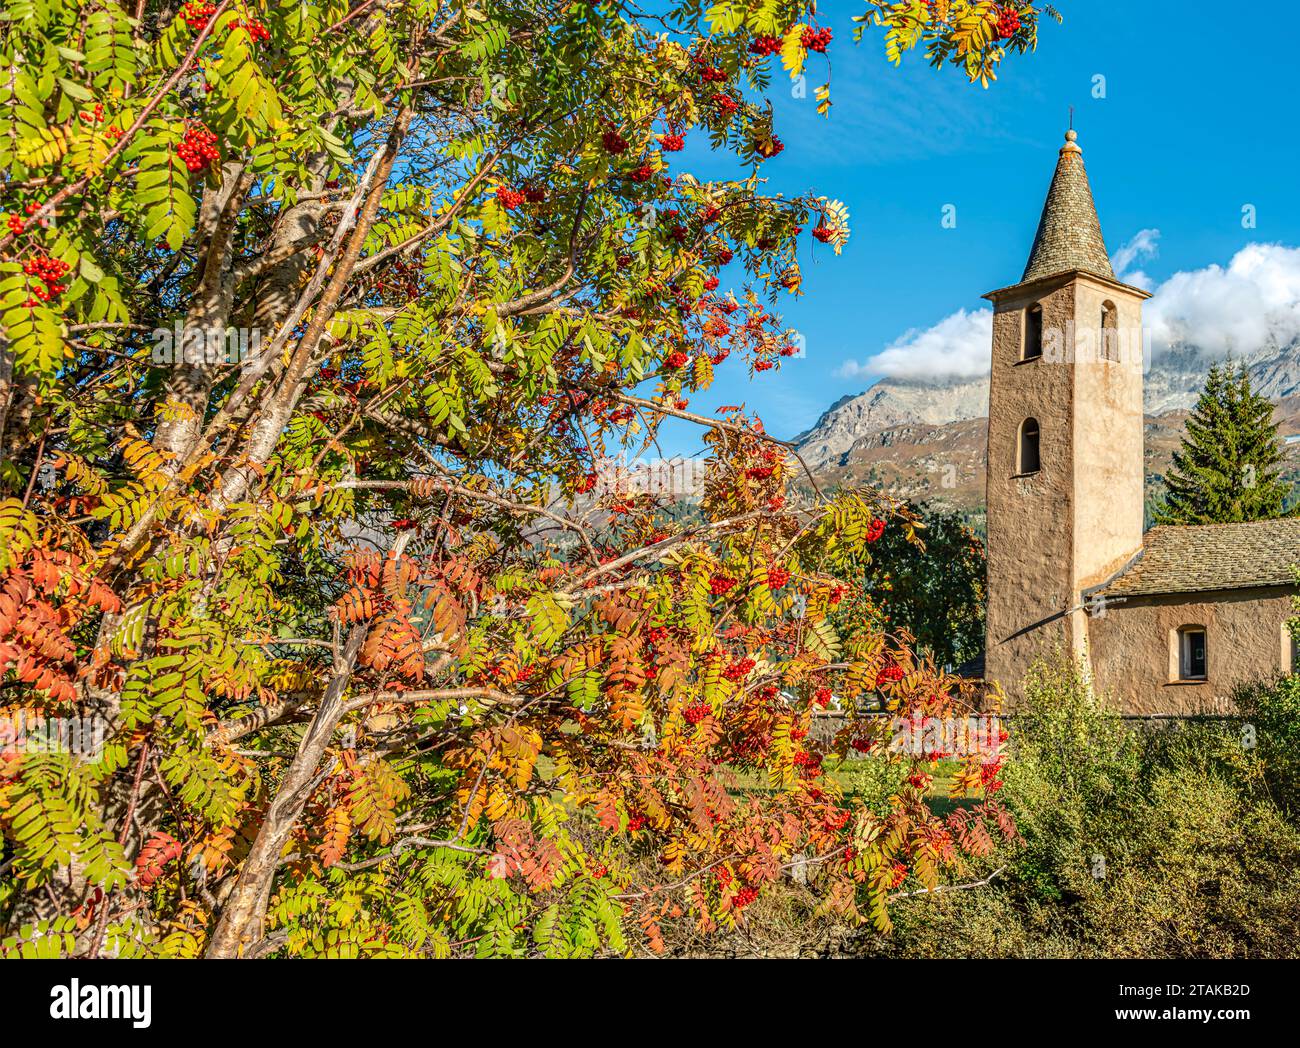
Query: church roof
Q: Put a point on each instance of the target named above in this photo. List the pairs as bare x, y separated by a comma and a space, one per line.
1069, 235
1199, 557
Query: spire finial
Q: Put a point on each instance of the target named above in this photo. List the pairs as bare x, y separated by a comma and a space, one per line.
1071, 145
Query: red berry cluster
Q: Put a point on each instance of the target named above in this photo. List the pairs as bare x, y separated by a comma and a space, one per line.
642, 174
723, 255
803, 759
876, 529
837, 820
16, 225
764, 45
50, 271
196, 15
738, 669
720, 584
768, 147
613, 142
635, 823
815, 39
822, 697
585, 484
95, 116
777, 577
255, 29
1008, 23
672, 142
534, 194
823, 232
891, 672
725, 103
710, 74
744, 897
509, 198
199, 147
696, 713
675, 359
711, 284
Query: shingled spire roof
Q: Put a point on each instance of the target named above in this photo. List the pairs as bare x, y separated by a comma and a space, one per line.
1069, 235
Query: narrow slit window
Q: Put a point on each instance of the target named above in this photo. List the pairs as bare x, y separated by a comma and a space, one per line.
1033, 333
1028, 459
1109, 331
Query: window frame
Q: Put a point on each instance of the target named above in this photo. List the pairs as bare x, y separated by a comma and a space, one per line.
1183, 639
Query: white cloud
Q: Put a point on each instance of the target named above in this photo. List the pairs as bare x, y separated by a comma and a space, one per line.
853, 370
1218, 309
1237, 308
959, 345
1139, 279
1145, 243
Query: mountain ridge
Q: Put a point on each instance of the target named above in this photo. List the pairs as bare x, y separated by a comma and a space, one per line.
926, 440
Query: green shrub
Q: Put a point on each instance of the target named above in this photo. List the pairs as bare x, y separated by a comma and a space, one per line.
1138, 841
1271, 720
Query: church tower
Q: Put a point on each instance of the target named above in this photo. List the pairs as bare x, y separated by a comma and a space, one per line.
1065, 442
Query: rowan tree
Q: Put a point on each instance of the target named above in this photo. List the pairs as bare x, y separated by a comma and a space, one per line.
320, 319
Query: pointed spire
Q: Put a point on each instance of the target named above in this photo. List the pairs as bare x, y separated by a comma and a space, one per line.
1069, 235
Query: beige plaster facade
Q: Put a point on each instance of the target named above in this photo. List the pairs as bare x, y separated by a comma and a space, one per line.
1134, 647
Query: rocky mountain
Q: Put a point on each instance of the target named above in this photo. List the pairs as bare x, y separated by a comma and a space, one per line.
892, 402
927, 441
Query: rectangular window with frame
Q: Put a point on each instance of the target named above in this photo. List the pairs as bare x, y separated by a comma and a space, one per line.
1192, 661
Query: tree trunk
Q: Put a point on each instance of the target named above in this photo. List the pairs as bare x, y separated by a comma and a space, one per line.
242, 916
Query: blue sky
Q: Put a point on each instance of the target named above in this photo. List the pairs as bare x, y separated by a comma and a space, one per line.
1191, 128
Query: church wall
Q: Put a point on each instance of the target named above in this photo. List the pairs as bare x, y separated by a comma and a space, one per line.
1029, 533
1130, 647
1108, 435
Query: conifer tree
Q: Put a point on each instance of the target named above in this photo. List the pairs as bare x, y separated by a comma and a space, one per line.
1229, 467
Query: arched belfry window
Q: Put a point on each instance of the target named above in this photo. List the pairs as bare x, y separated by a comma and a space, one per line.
1109, 331
1027, 457
1033, 345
